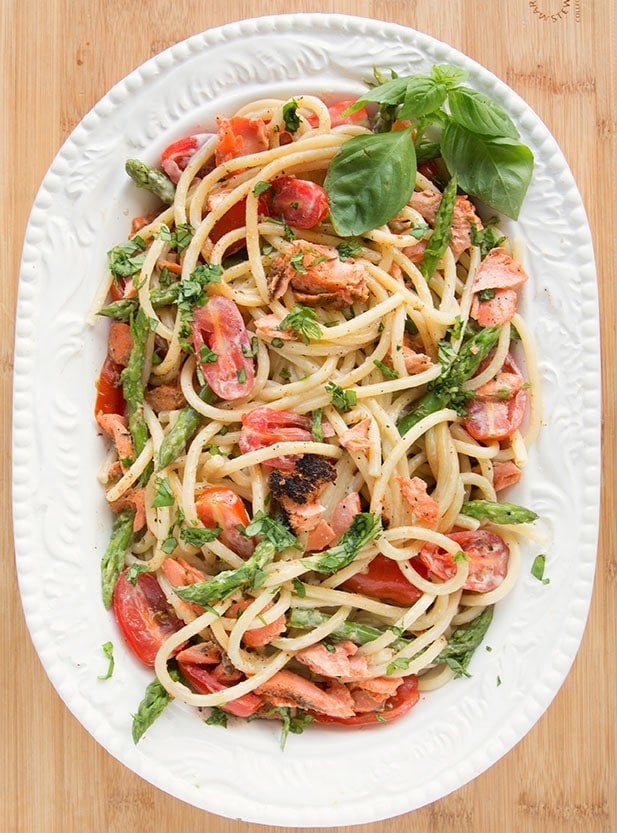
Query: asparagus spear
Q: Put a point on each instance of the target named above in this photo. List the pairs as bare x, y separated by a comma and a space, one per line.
499, 513
442, 232
464, 641
446, 390
113, 560
151, 179
249, 576
123, 309
178, 436
354, 631
132, 383
154, 701
365, 526
183, 430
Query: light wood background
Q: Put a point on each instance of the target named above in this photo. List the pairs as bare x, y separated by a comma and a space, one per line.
58, 58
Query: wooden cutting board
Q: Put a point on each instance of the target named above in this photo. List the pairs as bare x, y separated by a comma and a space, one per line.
58, 59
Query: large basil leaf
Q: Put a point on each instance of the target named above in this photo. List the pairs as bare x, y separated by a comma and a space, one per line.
480, 114
370, 180
422, 96
497, 171
391, 92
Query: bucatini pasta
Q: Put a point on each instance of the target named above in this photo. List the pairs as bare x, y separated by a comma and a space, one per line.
309, 429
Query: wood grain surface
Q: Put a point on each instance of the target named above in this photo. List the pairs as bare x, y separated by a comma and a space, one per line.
58, 58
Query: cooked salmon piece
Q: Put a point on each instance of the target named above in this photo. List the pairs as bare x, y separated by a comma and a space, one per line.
505, 474
426, 203
340, 663
356, 437
133, 499
168, 397
415, 253
269, 326
179, 573
204, 653
495, 311
344, 512
499, 271
317, 276
291, 690
303, 517
115, 427
372, 694
120, 343
320, 537
240, 136
258, 637
424, 508
305, 482
504, 385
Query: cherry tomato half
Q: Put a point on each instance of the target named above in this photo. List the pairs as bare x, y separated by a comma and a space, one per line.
143, 615
488, 557
226, 362
218, 506
109, 397
206, 683
495, 420
404, 700
300, 202
264, 426
383, 580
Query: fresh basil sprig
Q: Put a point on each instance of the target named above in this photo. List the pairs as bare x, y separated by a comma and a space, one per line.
477, 139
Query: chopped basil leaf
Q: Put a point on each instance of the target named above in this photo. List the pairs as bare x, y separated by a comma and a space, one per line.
343, 400
108, 650
537, 568
164, 494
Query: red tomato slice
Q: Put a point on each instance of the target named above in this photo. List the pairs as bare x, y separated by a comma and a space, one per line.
218, 506
109, 397
262, 427
300, 202
230, 221
232, 374
143, 615
488, 557
487, 421
206, 683
383, 580
240, 136
404, 700
180, 148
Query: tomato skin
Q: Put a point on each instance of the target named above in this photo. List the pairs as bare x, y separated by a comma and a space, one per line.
109, 396
179, 148
206, 683
383, 580
143, 615
232, 375
230, 221
404, 700
488, 559
300, 202
218, 506
489, 421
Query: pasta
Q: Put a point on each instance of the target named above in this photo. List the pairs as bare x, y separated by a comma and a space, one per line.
308, 430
